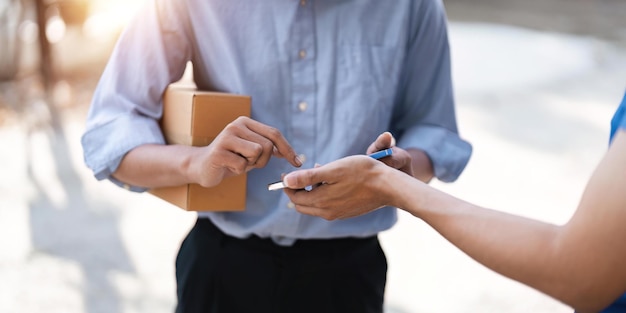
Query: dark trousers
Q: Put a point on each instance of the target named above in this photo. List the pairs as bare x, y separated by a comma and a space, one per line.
217, 273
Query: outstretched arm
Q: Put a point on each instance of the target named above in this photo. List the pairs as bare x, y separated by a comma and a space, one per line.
579, 263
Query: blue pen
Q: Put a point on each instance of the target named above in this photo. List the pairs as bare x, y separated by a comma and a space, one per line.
381, 154
376, 155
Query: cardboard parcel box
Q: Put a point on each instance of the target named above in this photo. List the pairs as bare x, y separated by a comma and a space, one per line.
195, 118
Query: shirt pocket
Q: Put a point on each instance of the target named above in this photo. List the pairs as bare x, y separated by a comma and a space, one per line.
366, 84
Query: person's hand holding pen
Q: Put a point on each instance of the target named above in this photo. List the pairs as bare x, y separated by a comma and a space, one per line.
350, 186
401, 159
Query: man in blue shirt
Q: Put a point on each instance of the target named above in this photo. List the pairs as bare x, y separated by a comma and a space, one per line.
326, 77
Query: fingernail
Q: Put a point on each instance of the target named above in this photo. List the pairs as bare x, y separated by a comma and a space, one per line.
286, 181
298, 160
393, 140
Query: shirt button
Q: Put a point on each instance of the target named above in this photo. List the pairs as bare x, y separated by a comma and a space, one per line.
302, 2
291, 205
302, 158
302, 106
302, 54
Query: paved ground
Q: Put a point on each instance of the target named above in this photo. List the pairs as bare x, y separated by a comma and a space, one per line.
534, 104
598, 18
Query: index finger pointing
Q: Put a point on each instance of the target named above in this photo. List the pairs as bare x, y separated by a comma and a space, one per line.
282, 147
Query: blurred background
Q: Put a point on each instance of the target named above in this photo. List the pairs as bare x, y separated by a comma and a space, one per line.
536, 84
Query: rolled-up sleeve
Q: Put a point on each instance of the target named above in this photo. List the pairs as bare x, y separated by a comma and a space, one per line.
105, 145
151, 53
447, 151
424, 114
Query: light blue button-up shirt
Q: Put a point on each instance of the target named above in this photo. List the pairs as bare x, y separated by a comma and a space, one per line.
330, 75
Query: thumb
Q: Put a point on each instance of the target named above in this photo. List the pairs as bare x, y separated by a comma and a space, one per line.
302, 178
384, 141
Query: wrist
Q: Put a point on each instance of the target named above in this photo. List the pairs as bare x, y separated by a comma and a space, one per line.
189, 166
387, 181
403, 189
198, 168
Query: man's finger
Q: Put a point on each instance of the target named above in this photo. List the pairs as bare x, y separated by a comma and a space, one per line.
247, 149
265, 147
384, 141
230, 160
274, 135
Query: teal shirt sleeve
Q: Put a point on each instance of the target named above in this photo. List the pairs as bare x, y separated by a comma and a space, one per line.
619, 119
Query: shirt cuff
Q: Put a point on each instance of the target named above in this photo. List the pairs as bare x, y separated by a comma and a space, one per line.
105, 145
448, 153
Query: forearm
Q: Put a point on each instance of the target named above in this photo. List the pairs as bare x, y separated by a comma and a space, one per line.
529, 251
152, 166
514, 246
241, 146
